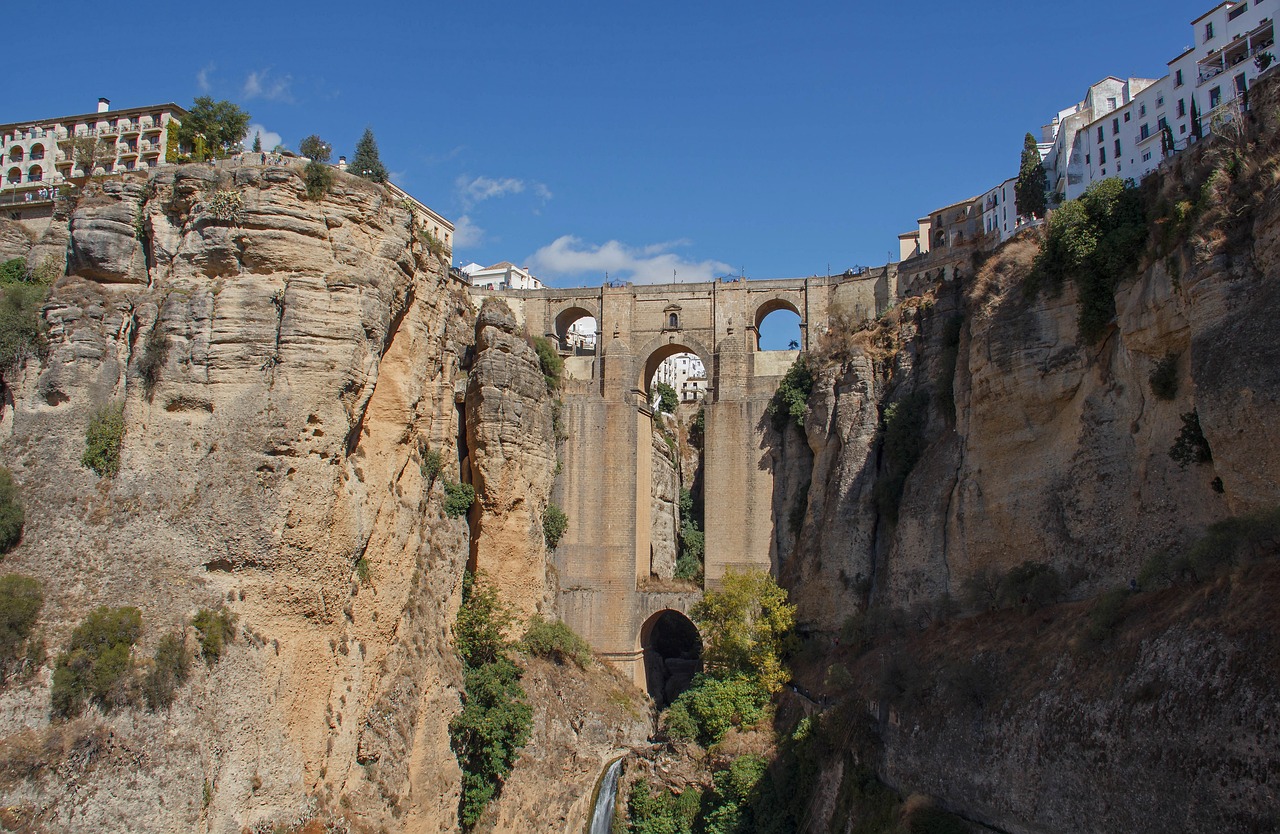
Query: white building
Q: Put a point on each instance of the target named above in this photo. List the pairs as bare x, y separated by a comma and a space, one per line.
37, 156
501, 276
1067, 163
1234, 43
685, 373
428, 220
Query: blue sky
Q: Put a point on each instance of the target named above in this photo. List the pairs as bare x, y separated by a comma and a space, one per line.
642, 139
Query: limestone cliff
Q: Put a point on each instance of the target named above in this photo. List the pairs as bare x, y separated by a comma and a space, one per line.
310, 350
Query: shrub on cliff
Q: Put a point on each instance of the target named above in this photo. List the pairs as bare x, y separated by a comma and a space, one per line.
318, 179
902, 427
102, 440
550, 361
746, 629
21, 324
554, 523
1164, 377
1190, 446
554, 640
458, 499
1031, 586
480, 630
95, 665
12, 514
706, 710
155, 351
216, 629
668, 400
651, 811
20, 602
791, 401
170, 667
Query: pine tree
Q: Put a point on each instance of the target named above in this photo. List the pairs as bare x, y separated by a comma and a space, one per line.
257, 142
366, 162
1032, 181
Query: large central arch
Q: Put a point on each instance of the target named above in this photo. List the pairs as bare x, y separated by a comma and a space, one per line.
663, 347
672, 651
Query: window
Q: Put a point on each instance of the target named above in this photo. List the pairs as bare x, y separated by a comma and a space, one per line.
1177, 78
1146, 157
1127, 114
1160, 101
1240, 84
1208, 31
1182, 108
1102, 157
1086, 160
1117, 149
673, 320
1144, 131
1142, 111
1100, 140
1161, 124
1182, 128
1111, 104
1237, 11
1115, 126
1215, 97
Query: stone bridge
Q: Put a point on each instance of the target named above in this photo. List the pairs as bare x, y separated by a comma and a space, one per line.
604, 487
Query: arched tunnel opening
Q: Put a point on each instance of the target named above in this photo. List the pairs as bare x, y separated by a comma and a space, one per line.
672, 655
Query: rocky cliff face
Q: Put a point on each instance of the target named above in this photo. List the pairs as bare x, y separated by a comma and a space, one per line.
310, 350
512, 455
664, 510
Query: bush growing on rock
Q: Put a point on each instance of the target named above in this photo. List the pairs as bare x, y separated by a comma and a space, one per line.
1164, 377
705, 712
747, 628
95, 665
170, 667
216, 629
318, 179
554, 640
21, 324
1191, 446
554, 523
550, 362
12, 514
791, 401
102, 440
20, 602
1031, 586
458, 499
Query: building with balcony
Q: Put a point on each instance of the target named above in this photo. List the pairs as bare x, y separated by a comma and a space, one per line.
501, 276
37, 156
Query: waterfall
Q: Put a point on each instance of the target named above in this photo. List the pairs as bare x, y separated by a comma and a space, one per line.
602, 816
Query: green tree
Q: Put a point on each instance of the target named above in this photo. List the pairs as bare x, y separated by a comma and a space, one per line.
480, 631
89, 152
12, 515
667, 398
257, 142
791, 400
1032, 183
315, 148
20, 602
554, 523
486, 736
746, 628
213, 128
366, 161
96, 662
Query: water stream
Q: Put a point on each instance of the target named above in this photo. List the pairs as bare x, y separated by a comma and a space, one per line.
602, 815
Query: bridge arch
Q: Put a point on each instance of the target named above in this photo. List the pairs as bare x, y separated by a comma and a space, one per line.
773, 304
569, 315
661, 348
672, 650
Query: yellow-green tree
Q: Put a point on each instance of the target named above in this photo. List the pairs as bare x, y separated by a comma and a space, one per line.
747, 628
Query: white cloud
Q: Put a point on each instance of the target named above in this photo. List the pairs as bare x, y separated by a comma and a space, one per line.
652, 264
263, 84
473, 190
466, 233
269, 137
202, 78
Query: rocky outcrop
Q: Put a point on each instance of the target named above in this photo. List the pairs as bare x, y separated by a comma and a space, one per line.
310, 352
664, 510
512, 455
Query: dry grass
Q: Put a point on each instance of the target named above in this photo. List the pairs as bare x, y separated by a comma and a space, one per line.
1007, 268
75, 745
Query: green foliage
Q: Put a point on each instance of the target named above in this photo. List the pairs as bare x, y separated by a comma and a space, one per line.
432, 465
486, 736
902, 426
257, 142
698, 429
90, 152
480, 630
12, 514
667, 398
21, 323
554, 640
661, 812
936, 821
95, 664
1164, 377
318, 179
366, 162
728, 810
20, 602
1031, 585
169, 670
212, 128
689, 564
1105, 615
791, 400
215, 628
1191, 446
1033, 183
706, 710
746, 628
458, 499
102, 440
315, 149
435, 245
362, 570
554, 523
1095, 241
550, 361
1228, 542
155, 351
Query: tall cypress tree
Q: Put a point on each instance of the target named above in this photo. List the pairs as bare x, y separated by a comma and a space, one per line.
1032, 181
366, 162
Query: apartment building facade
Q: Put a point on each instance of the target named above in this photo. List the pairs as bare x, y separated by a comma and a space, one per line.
39, 155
